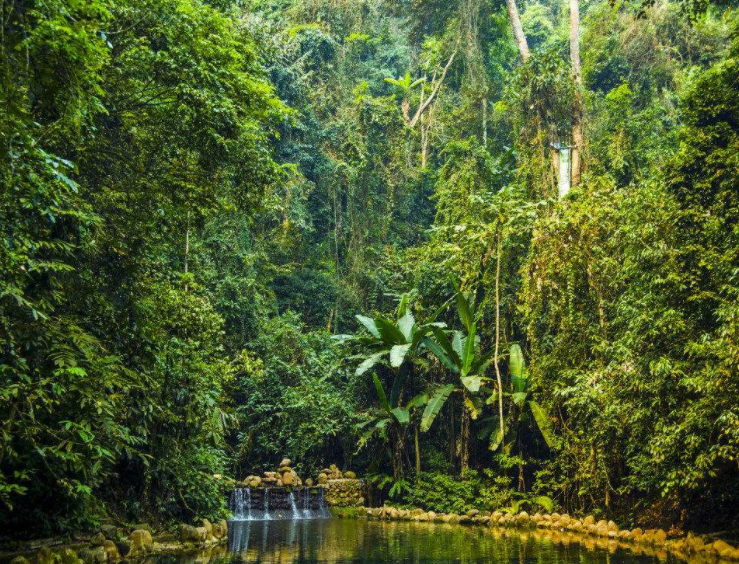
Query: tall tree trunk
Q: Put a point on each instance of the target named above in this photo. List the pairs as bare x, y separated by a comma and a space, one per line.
577, 134
418, 455
523, 46
497, 336
464, 439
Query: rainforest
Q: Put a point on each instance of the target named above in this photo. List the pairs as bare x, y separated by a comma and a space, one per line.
481, 256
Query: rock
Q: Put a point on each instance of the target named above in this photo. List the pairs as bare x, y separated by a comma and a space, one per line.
69, 556
111, 551
722, 548
208, 526
45, 556
659, 537
285, 462
188, 533
95, 555
589, 520
473, 512
322, 478
98, 540
283, 469
19, 560
141, 526
612, 526
309, 482
288, 479
141, 542
350, 475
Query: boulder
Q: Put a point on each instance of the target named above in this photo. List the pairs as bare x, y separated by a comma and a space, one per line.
69, 556
322, 478
350, 475
473, 512
612, 526
309, 482
98, 540
208, 526
589, 520
288, 479
45, 556
110, 531
141, 542
96, 555
111, 551
722, 548
188, 533
141, 526
283, 469
285, 462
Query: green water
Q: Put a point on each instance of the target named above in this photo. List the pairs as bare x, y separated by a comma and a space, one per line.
360, 541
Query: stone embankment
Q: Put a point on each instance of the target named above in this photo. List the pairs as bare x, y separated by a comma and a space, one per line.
114, 544
341, 489
688, 547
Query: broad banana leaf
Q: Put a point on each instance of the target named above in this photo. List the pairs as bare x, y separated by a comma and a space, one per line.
472, 383
418, 401
446, 344
398, 353
519, 397
381, 393
496, 438
369, 324
406, 324
468, 353
474, 405
434, 406
440, 353
389, 331
402, 415
369, 362
544, 423
517, 368
463, 308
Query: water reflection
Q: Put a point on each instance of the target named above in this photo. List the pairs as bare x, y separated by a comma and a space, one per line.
377, 542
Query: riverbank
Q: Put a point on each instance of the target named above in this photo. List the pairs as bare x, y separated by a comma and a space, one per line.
567, 529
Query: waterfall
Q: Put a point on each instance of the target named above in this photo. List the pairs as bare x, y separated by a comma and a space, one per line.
293, 507
269, 504
306, 502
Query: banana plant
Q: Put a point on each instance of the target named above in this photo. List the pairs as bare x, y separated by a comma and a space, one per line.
391, 411
391, 340
461, 355
406, 84
524, 404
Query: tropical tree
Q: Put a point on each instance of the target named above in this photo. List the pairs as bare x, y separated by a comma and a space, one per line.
463, 356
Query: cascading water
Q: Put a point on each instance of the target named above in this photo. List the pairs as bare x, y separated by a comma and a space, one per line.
293, 507
269, 504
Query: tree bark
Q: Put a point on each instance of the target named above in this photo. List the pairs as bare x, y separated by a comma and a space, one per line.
418, 456
497, 338
464, 438
577, 134
518, 34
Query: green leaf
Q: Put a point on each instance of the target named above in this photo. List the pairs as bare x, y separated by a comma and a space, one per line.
495, 439
519, 397
439, 353
418, 401
397, 354
406, 325
389, 332
381, 393
544, 422
401, 414
517, 368
434, 406
546, 502
369, 324
369, 362
472, 383
463, 308
468, 354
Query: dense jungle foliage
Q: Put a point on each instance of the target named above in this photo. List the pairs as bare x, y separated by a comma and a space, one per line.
236, 230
